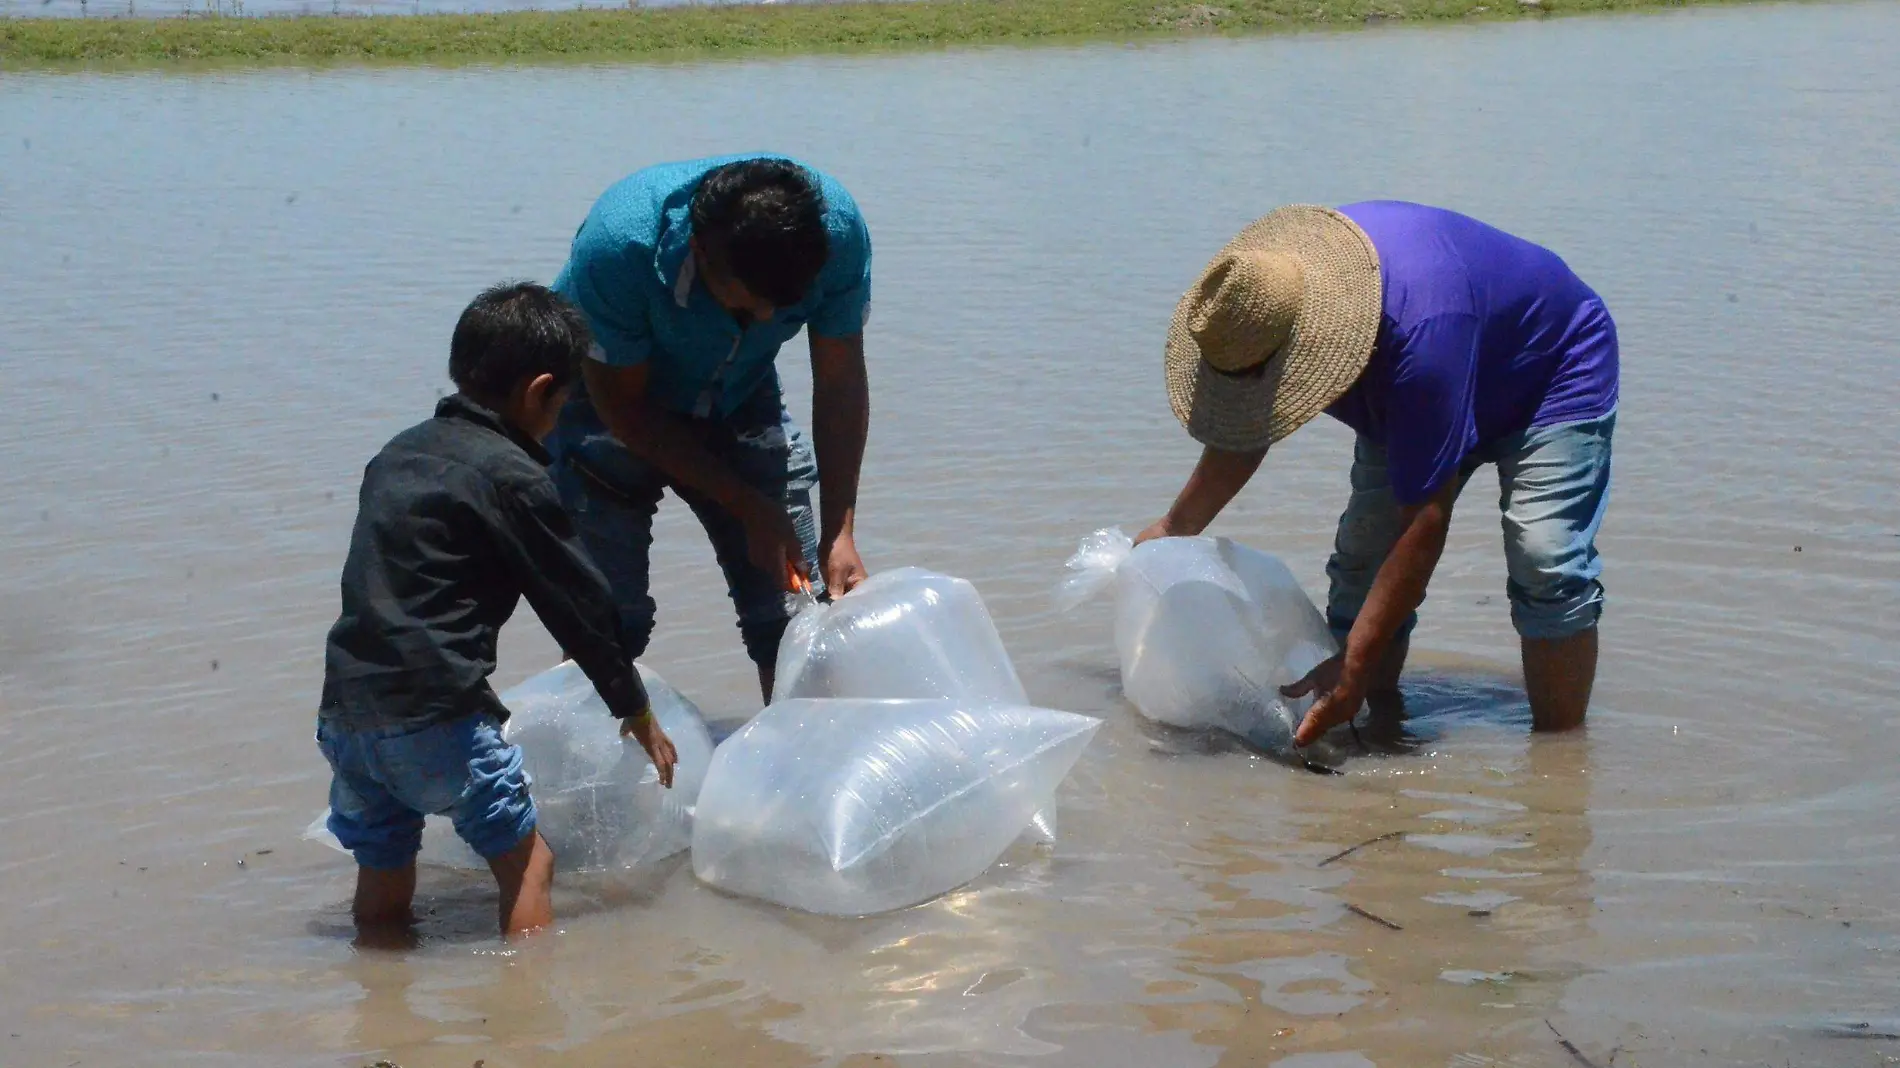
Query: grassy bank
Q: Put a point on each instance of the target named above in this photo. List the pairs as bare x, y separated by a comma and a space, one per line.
712, 31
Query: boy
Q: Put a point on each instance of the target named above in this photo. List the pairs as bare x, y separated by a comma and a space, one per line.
457, 520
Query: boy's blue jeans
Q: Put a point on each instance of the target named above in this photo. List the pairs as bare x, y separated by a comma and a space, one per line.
384, 780
614, 496
1553, 489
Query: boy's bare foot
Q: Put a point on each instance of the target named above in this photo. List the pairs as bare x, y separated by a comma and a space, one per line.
382, 908
386, 937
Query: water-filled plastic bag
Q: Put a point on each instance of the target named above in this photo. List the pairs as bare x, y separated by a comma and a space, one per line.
1207, 631
598, 799
904, 633
849, 807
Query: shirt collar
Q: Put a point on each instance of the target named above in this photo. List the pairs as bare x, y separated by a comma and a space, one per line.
460, 406
673, 251
683, 288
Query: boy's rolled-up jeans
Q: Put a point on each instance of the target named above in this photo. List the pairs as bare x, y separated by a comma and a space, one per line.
1553, 489
613, 497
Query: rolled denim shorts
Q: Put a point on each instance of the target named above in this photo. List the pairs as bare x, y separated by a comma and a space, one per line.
386, 779
1553, 489
613, 496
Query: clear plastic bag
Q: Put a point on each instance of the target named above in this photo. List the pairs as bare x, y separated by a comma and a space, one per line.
907, 633
850, 807
1207, 631
904, 633
598, 799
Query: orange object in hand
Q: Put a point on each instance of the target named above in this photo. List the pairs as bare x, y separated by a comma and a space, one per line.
794, 581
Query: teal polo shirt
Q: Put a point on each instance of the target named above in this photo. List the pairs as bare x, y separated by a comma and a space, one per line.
632, 274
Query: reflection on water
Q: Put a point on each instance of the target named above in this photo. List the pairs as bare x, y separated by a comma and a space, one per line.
1241, 939
223, 292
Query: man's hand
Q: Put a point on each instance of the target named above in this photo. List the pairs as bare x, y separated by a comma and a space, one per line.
1160, 528
842, 567
1340, 695
645, 729
771, 538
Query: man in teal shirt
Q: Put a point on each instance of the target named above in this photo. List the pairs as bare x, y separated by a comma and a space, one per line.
692, 275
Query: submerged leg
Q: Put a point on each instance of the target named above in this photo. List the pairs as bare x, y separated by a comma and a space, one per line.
384, 907
1559, 674
525, 876
1554, 486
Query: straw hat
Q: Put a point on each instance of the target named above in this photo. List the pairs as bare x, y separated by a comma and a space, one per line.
1276, 329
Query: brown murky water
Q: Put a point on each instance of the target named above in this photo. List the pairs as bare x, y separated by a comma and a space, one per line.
221, 293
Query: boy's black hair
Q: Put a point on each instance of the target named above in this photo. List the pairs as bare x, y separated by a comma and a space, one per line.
763, 220
514, 332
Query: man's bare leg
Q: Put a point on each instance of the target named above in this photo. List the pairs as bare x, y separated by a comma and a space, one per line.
1383, 698
1559, 674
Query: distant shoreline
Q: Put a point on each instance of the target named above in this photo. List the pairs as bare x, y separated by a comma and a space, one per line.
715, 31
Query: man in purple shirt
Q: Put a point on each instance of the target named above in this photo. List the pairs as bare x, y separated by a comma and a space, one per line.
1446, 344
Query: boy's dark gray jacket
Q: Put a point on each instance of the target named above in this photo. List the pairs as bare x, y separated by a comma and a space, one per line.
456, 522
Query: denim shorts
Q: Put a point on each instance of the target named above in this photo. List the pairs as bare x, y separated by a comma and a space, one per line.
386, 779
613, 496
1553, 488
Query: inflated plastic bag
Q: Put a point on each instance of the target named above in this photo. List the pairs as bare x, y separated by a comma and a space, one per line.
907, 633
849, 807
598, 799
1208, 631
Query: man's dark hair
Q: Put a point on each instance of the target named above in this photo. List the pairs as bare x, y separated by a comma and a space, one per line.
514, 332
763, 221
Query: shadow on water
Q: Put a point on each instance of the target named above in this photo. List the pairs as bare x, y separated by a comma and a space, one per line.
1438, 703
1434, 705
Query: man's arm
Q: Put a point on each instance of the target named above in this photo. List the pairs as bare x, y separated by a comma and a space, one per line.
841, 420
602, 284
667, 442
1396, 593
1217, 479
1430, 428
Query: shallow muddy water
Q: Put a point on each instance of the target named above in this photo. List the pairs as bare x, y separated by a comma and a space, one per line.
221, 293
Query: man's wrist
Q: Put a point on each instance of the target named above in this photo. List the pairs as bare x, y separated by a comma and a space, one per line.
1177, 525
1356, 661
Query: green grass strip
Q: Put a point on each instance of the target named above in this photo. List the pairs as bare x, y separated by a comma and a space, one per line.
703, 31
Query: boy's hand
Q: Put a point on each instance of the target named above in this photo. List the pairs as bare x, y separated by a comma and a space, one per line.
645, 729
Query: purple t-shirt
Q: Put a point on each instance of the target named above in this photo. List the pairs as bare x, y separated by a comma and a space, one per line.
1483, 335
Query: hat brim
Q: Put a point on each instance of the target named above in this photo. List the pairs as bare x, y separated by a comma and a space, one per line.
1331, 341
